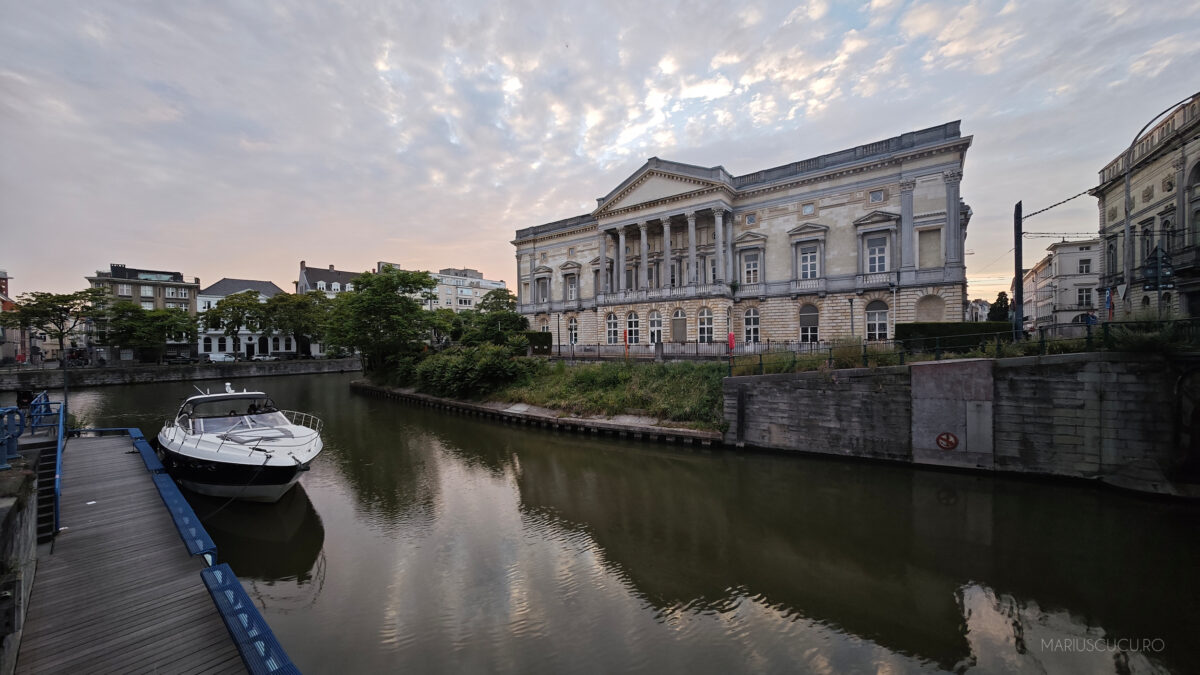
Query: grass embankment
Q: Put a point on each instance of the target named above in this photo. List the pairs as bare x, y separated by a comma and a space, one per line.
687, 394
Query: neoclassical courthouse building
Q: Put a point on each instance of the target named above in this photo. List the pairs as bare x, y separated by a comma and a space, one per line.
838, 246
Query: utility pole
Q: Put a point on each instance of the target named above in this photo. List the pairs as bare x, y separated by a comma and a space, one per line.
1019, 284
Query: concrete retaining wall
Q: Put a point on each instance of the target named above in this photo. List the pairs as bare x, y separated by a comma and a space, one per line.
1106, 417
37, 380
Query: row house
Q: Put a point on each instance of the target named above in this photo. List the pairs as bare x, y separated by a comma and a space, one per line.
1061, 290
458, 288
1162, 181
247, 343
842, 245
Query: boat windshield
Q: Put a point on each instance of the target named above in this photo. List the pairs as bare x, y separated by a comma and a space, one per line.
210, 417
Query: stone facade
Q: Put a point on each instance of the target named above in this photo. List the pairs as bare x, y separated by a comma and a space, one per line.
1164, 193
869, 233
1109, 417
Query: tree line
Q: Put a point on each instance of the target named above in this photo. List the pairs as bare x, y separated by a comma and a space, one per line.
384, 319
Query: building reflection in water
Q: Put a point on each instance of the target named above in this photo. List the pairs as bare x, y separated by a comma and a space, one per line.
897, 556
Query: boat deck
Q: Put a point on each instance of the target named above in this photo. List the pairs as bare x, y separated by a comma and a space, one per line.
117, 591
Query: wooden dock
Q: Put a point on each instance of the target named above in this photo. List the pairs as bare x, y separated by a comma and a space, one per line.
117, 591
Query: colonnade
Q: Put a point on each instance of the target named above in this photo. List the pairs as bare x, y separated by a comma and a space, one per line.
723, 251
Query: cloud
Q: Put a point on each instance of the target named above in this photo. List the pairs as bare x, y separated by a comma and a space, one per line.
253, 136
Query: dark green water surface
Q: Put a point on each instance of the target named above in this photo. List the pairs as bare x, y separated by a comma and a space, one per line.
423, 542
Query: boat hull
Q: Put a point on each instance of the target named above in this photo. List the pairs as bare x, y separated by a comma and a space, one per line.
246, 482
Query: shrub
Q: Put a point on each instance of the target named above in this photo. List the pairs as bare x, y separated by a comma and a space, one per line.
470, 372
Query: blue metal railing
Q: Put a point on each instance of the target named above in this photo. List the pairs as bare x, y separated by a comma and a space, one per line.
12, 424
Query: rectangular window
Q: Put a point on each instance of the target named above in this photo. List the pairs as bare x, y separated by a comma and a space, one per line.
572, 288
808, 209
183, 292
750, 268
1085, 266
464, 302
877, 325
571, 252
808, 262
876, 196
712, 270
170, 291
808, 333
876, 255
751, 219
1083, 297
124, 290
147, 304
147, 291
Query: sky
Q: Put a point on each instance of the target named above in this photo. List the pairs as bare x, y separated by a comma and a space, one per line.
235, 139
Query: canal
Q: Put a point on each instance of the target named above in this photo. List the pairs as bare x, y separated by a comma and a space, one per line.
427, 542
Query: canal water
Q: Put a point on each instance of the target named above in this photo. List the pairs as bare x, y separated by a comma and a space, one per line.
427, 542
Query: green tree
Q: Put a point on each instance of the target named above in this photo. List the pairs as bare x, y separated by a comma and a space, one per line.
236, 312
56, 314
497, 300
149, 330
303, 317
999, 309
382, 318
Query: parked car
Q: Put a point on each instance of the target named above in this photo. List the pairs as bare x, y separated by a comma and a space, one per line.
222, 358
180, 358
264, 357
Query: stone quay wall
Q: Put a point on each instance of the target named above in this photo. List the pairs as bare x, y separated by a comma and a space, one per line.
1109, 417
51, 378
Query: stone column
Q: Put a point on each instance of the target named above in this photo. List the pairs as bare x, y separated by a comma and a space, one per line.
620, 271
602, 279
665, 274
644, 282
908, 258
719, 245
1182, 217
731, 260
953, 236
519, 298
691, 218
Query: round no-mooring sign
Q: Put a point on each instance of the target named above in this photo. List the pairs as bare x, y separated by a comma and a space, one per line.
947, 441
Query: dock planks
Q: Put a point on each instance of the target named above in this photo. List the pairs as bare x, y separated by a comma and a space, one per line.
118, 591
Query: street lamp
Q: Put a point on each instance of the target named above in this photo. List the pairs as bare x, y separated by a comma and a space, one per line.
1128, 266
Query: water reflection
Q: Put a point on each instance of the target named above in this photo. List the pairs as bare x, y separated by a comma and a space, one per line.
440, 543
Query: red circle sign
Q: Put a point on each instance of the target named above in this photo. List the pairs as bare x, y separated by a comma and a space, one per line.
947, 441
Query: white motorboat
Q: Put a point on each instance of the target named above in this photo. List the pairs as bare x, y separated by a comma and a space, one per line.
239, 445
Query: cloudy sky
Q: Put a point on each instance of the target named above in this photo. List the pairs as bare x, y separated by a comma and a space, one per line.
234, 139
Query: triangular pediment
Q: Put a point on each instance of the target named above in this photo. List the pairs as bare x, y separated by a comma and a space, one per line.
569, 265
750, 238
595, 262
876, 217
542, 269
808, 229
657, 180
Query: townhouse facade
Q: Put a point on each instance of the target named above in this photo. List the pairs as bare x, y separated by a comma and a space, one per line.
328, 281
459, 289
151, 290
1063, 287
247, 343
1162, 219
842, 245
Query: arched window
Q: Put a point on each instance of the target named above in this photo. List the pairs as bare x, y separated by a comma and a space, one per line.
573, 330
275, 344
349, 287
809, 320
613, 328
877, 320
207, 344
632, 324
705, 325
544, 326
1145, 301
655, 328
337, 287
320, 285
221, 344
1112, 259
1147, 244
679, 326
750, 323
1170, 237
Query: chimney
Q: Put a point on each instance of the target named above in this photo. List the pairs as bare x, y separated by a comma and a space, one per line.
331, 268
301, 264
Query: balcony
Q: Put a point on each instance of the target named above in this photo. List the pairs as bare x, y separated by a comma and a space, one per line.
807, 286
875, 280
